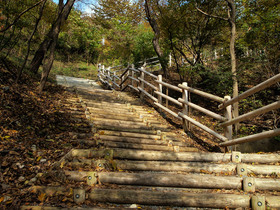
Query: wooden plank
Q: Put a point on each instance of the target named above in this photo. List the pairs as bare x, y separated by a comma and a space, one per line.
170, 198
203, 110
131, 154
148, 94
147, 83
265, 109
168, 98
148, 73
151, 147
132, 78
171, 180
255, 137
169, 86
205, 128
134, 88
201, 93
168, 110
135, 70
253, 90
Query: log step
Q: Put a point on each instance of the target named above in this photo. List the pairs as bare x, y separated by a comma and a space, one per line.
155, 141
171, 156
159, 179
142, 146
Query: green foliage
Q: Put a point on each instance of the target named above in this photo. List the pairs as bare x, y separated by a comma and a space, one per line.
74, 69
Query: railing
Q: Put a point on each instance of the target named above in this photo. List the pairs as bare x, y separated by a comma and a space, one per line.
147, 84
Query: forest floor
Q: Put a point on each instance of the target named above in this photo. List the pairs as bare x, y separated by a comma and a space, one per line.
34, 129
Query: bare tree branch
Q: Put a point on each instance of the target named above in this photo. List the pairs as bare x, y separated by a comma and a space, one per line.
214, 16
18, 17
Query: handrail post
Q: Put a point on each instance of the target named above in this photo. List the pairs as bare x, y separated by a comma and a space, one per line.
114, 79
103, 72
185, 97
132, 75
142, 76
109, 75
228, 115
159, 89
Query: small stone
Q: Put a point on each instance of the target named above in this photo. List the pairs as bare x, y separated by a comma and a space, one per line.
133, 206
43, 160
20, 166
21, 179
33, 180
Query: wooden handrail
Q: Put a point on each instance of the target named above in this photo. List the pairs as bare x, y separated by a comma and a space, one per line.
251, 91
203, 110
205, 128
168, 98
255, 137
201, 93
265, 109
132, 78
168, 110
147, 83
148, 73
170, 86
148, 94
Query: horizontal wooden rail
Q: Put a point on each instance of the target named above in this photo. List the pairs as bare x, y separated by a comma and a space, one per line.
148, 94
116, 77
110, 78
205, 128
253, 90
135, 70
116, 66
173, 87
265, 109
132, 78
203, 110
201, 93
149, 63
148, 73
168, 98
134, 88
255, 137
168, 110
147, 83
116, 84
148, 67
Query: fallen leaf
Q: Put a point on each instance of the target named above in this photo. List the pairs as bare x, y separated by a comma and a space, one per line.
42, 197
1, 199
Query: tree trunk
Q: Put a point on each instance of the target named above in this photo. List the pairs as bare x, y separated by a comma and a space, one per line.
232, 17
29, 41
53, 34
63, 13
153, 23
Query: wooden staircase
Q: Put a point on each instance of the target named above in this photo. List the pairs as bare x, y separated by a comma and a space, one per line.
132, 158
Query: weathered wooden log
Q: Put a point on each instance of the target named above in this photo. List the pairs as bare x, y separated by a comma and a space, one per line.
151, 135
263, 169
273, 201
267, 184
194, 167
171, 180
135, 129
260, 158
146, 146
154, 141
115, 110
170, 198
155, 155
